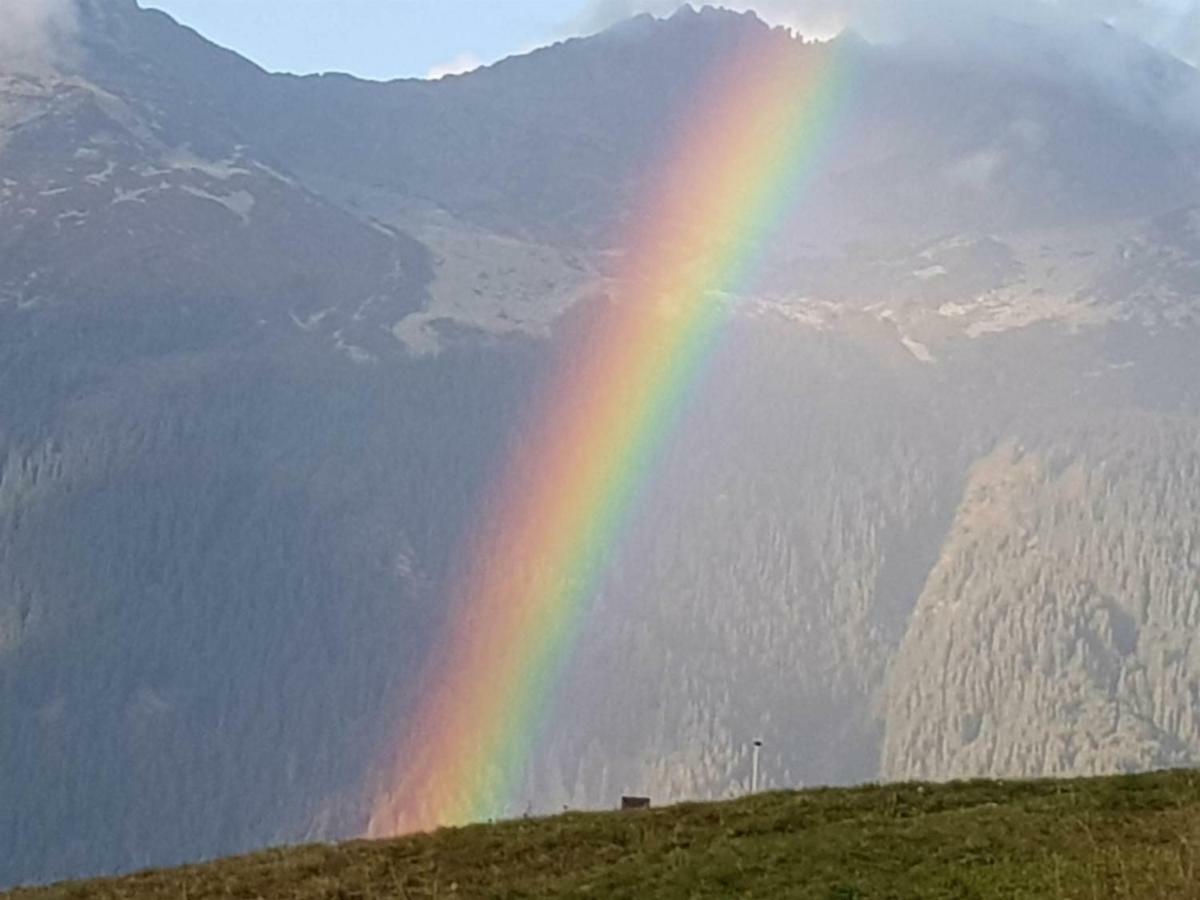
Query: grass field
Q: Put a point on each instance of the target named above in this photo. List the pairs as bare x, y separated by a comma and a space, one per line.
1119, 837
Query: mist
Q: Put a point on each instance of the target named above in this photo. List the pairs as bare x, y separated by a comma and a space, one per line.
1105, 47
1171, 25
35, 33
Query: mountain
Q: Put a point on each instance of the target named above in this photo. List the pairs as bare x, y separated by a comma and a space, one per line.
265, 339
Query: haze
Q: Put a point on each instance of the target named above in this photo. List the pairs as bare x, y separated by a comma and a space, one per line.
426, 38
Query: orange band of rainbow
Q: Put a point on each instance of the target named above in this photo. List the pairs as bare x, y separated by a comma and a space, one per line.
731, 175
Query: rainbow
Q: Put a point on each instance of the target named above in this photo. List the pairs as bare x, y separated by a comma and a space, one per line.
558, 508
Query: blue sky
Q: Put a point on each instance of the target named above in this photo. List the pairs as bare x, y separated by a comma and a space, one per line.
376, 38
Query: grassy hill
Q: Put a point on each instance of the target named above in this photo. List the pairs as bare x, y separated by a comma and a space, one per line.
1126, 837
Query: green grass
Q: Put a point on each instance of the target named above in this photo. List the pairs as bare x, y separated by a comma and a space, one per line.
1120, 837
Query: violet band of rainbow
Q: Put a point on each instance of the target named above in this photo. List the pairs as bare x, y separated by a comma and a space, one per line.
737, 167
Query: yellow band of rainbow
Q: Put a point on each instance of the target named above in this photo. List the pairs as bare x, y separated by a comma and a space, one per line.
734, 171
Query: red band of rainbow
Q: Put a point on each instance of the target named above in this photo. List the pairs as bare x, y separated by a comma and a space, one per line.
736, 169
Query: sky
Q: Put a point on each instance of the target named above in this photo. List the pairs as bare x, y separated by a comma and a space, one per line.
376, 38
427, 38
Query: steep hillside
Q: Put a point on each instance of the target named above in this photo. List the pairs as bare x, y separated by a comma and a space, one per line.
1131, 837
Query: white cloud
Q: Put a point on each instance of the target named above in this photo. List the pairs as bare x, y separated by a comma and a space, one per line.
1172, 25
460, 65
976, 171
1080, 42
33, 33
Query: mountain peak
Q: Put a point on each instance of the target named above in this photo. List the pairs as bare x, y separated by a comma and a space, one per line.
689, 19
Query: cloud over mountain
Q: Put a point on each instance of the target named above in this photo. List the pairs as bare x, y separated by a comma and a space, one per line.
1172, 25
1104, 48
34, 32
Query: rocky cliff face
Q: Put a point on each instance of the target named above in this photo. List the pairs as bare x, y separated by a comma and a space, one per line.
263, 341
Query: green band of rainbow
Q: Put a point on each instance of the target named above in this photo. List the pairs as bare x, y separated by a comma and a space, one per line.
559, 508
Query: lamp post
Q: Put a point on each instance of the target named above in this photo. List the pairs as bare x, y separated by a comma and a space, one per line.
754, 767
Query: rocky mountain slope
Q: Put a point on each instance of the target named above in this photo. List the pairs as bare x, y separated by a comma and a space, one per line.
264, 339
